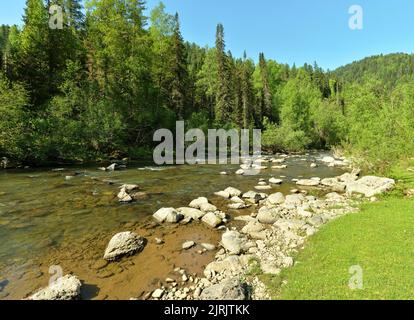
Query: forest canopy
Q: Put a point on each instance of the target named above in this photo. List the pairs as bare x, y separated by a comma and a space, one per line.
99, 87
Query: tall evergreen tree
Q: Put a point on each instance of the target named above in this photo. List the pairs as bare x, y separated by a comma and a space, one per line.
179, 69
33, 64
223, 107
266, 91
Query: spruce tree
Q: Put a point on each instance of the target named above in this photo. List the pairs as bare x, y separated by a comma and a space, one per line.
266, 92
179, 69
223, 96
33, 61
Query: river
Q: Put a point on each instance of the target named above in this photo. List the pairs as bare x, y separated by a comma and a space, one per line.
47, 220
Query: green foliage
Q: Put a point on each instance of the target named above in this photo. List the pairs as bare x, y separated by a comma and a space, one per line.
283, 138
104, 83
14, 124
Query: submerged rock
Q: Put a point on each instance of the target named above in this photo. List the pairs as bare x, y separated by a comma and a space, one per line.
124, 243
64, 288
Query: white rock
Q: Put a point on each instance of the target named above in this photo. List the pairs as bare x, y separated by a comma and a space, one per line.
222, 194
268, 215
129, 187
233, 192
124, 243
123, 196
308, 182
64, 288
261, 188
192, 213
370, 186
211, 219
157, 294
240, 172
198, 202
275, 181
169, 215
187, 245
276, 198
207, 207
208, 246
232, 241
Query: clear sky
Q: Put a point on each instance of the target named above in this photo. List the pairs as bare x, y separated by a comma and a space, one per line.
287, 30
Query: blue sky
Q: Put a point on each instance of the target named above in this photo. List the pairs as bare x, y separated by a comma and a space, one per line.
287, 30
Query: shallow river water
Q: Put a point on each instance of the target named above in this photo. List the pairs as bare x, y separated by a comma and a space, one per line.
46, 221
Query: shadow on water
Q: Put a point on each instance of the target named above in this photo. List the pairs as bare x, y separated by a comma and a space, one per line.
89, 291
3, 284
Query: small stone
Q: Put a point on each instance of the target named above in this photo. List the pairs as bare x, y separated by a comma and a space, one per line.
187, 245
157, 294
208, 246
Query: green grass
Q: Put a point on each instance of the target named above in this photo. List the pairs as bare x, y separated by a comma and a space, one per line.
380, 239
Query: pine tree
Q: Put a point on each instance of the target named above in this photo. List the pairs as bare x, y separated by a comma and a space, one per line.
266, 92
247, 93
179, 69
33, 62
223, 96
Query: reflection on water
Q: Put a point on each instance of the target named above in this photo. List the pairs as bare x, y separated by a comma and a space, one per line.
42, 212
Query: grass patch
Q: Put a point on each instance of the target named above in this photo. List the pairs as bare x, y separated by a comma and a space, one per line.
379, 239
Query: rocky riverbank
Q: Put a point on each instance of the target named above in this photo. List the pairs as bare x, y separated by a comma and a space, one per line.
276, 227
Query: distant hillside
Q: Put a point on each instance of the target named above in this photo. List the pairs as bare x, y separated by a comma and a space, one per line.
391, 69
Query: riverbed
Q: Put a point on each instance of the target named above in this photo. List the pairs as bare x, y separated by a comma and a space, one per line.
49, 220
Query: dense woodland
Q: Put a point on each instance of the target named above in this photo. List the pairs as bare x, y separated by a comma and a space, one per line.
100, 87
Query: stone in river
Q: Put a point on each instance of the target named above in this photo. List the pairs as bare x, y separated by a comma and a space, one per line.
211, 219
188, 245
64, 288
169, 215
207, 207
124, 243
196, 204
208, 246
233, 192
275, 181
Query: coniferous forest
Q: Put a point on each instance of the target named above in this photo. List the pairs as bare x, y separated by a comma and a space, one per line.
99, 87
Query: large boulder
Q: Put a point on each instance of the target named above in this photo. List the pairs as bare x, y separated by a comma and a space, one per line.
169, 215
233, 241
231, 289
124, 243
192, 213
64, 288
370, 186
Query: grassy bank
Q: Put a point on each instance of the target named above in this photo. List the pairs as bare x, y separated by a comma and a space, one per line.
379, 239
